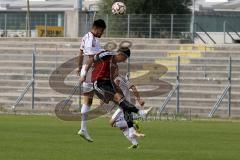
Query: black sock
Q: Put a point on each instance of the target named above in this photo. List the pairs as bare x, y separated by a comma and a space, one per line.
128, 118
128, 107
130, 124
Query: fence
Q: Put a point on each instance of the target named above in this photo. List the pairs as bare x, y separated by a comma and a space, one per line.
13, 24
213, 22
126, 26
141, 25
200, 80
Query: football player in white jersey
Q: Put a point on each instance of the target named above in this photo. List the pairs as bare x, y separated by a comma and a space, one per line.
90, 46
118, 119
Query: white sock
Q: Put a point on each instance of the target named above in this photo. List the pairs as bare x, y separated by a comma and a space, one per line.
126, 134
83, 125
132, 136
121, 124
142, 112
84, 111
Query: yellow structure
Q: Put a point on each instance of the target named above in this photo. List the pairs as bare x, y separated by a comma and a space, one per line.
50, 31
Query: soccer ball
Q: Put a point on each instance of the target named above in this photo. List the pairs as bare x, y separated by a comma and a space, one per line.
118, 8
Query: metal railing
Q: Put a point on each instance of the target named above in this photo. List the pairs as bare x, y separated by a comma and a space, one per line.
76, 87
226, 91
225, 24
176, 90
204, 31
145, 61
129, 25
140, 25
30, 84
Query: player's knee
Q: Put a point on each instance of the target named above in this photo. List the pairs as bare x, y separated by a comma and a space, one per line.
85, 108
121, 124
88, 101
111, 122
88, 98
117, 97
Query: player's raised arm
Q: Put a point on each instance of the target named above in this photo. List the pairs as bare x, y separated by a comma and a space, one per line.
79, 62
137, 95
85, 68
104, 55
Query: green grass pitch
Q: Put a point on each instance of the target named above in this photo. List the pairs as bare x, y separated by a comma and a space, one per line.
47, 138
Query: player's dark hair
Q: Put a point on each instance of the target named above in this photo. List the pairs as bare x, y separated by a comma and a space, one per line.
99, 24
125, 50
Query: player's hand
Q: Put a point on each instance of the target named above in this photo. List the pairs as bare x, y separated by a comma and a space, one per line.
117, 82
82, 79
78, 71
141, 102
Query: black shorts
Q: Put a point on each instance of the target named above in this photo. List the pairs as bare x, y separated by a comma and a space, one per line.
128, 118
104, 89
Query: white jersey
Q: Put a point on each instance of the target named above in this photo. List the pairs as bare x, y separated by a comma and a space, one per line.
125, 86
90, 45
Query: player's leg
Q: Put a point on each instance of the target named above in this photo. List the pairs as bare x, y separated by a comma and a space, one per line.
119, 121
137, 132
87, 102
128, 117
106, 91
131, 131
132, 139
129, 107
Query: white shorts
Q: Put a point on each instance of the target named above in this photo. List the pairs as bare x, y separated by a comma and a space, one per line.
87, 87
118, 119
118, 115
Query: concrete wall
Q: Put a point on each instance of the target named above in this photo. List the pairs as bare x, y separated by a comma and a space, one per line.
71, 25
